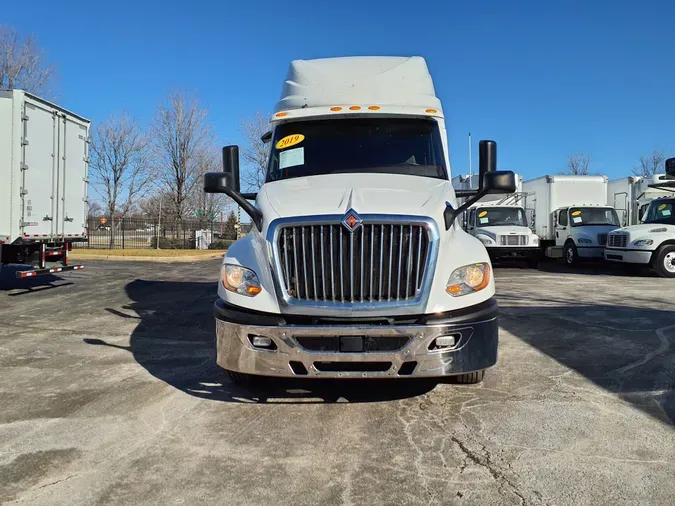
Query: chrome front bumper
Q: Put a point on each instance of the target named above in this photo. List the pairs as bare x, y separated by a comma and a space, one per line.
475, 349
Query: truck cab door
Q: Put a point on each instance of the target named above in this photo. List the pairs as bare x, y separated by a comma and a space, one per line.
561, 227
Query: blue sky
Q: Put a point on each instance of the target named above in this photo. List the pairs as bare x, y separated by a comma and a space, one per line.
542, 78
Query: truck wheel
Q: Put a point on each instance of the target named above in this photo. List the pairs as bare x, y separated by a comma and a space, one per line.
470, 377
665, 262
570, 254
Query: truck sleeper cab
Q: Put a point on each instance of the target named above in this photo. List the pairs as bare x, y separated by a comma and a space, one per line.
356, 265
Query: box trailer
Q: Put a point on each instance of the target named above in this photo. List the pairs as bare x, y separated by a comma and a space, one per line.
570, 215
44, 152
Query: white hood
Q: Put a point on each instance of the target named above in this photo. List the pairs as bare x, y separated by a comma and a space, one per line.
365, 193
635, 232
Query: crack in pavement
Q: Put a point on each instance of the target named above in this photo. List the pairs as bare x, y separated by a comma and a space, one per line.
485, 459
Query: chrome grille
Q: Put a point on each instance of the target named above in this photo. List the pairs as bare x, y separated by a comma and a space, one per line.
377, 262
617, 240
513, 240
602, 239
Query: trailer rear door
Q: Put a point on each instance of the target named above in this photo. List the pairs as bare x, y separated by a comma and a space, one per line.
72, 173
38, 188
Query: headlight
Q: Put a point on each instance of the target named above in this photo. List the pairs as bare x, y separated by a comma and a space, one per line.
468, 279
644, 242
585, 241
486, 240
535, 240
240, 280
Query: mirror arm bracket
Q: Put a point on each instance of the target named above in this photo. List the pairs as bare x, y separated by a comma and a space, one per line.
255, 213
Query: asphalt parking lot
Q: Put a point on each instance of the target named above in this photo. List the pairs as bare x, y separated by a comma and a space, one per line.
109, 394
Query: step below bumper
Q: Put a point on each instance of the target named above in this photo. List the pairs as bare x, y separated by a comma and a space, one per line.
357, 350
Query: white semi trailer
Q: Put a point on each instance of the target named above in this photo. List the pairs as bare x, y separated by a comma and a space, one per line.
631, 195
43, 182
570, 215
500, 223
357, 265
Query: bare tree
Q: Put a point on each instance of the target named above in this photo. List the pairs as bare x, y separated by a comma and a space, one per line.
95, 209
577, 164
650, 165
181, 137
254, 153
23, 65
119, 165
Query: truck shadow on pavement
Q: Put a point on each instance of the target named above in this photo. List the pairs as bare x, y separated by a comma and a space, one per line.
628, 351
175, 342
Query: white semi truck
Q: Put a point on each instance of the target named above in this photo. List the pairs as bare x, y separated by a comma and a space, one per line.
43, 183
631, 195
652, 241
357, 265
570, 215
500, 223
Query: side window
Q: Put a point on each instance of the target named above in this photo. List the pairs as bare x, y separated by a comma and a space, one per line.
562, 218
472, 218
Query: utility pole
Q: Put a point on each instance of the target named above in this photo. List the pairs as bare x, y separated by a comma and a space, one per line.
470, 167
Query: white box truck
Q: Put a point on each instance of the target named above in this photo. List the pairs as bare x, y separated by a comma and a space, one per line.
500, 223
631, 195
357, 265
570, 215
43, 190
652, 241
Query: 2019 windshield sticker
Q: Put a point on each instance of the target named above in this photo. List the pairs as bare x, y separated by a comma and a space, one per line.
290, 140
662, 207
484, 213
576, 213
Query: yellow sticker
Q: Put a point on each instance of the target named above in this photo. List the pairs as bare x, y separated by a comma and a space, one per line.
290, 140
662, 207
576, 213
484, 213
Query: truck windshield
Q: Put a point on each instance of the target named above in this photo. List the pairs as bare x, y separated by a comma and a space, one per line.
661, 211
357, 145
500, 216
580, 216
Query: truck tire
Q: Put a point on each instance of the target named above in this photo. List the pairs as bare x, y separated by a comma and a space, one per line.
664, 261
470, 378
570, 255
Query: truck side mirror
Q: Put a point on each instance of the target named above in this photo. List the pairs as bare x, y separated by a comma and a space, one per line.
499, 181
228, 182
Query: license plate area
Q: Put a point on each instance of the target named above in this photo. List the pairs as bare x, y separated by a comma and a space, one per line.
351, 344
